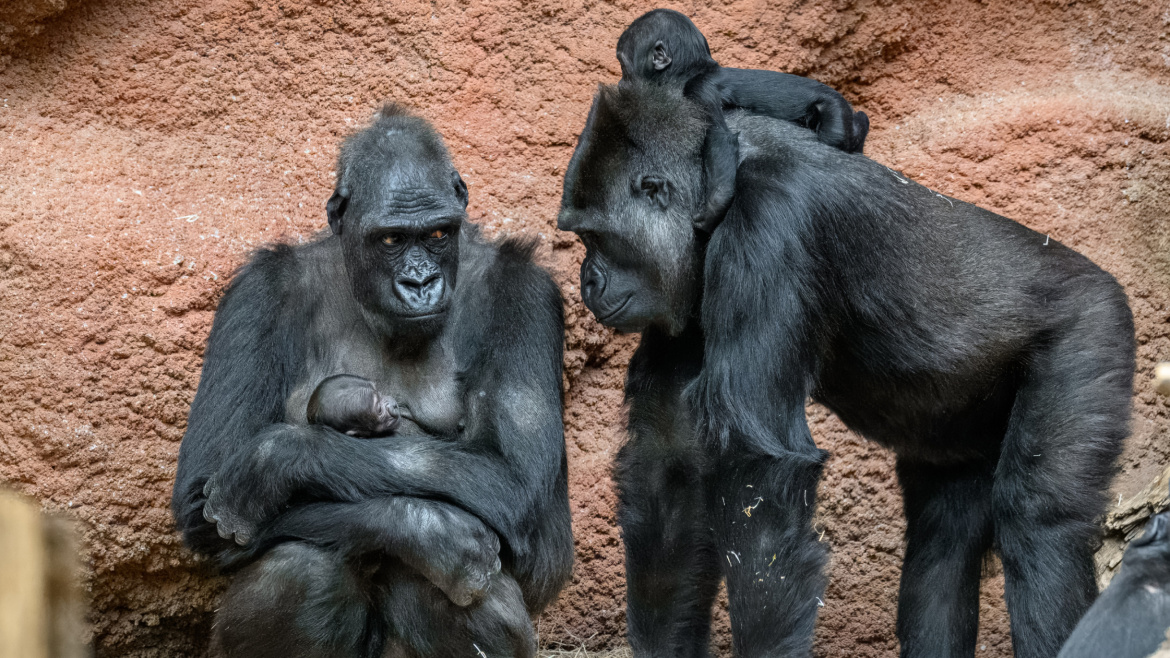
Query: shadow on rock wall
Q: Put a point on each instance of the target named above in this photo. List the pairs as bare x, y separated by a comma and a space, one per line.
147, 146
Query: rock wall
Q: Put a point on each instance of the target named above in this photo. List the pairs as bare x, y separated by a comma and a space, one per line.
147, 146
20, 19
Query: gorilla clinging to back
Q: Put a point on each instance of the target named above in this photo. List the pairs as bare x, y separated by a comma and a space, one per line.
995, 363
664, 47
440, 539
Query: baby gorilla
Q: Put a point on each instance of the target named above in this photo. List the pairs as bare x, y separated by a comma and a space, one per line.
353, 405
665, 47
1132, 615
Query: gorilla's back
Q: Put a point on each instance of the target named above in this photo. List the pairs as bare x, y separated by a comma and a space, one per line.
938, 298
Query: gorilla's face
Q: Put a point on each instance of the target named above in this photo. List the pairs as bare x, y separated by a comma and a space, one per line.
403, 260
630, 193
401, 244
641, 270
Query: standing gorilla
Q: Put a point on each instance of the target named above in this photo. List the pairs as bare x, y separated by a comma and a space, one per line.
440, 539
997, 364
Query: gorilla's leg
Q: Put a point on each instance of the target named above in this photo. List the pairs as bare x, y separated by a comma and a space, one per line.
762, 507
1058, 456
948, 531
296, 602
423, 623
672, 573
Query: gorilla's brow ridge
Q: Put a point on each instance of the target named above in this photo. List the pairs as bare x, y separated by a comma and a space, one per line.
418, 200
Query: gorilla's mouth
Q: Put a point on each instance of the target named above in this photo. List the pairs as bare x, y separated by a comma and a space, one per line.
424, 316
604, 319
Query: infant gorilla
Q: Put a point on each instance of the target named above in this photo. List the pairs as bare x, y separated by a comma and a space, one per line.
664, 47
353, 405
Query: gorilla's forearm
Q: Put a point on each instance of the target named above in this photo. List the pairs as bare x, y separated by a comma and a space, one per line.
794, 98
450, 547
322, 464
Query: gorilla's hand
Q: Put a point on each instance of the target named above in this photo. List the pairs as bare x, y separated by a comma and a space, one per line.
246, 492
234, 511
450, 547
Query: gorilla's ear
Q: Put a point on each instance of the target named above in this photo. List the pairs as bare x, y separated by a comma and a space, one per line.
335, 209
460, 188
720, 160
661, 56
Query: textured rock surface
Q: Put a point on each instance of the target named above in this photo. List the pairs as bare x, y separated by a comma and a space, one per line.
23, 18
146, 147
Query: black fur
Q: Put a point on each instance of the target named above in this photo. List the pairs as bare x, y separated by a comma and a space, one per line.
1131, 618
439, 540
996, 363
664, 46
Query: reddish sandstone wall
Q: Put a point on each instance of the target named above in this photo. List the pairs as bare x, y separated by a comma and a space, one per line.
146, 147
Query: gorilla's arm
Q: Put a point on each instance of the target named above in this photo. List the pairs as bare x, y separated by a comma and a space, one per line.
448, 546
761, 320
506, 468
750, 399
253, 353
797, 99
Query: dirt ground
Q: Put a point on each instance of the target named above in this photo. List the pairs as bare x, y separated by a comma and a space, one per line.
147, 146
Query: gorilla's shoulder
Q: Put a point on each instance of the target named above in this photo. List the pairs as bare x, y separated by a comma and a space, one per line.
507, 277
777, 155
509, 262
771, 140
283, 269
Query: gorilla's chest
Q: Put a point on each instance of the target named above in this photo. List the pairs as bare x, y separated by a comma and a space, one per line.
426, 386
429, 392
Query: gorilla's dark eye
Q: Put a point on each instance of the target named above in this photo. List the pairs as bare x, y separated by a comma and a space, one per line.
438, 234
392, 238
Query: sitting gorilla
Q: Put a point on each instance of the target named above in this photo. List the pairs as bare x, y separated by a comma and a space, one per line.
1131, 618
996, 364
440, 539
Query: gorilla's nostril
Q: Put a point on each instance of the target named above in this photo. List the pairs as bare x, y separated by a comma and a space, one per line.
420, 289
592, 284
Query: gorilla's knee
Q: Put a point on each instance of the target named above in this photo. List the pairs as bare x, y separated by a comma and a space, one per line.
502, 620
424, 622
296, 602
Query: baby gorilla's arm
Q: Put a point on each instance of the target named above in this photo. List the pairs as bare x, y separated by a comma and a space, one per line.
353, 405
798, 99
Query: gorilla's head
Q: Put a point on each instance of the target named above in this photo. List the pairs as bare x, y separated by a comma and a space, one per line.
631, 191
397, 208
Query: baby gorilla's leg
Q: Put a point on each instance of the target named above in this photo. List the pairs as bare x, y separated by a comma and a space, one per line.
422, 622
353, 405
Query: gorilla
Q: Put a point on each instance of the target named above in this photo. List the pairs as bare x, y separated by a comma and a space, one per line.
442, 538
353, 405
997, 365
1131, 618
665, 47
